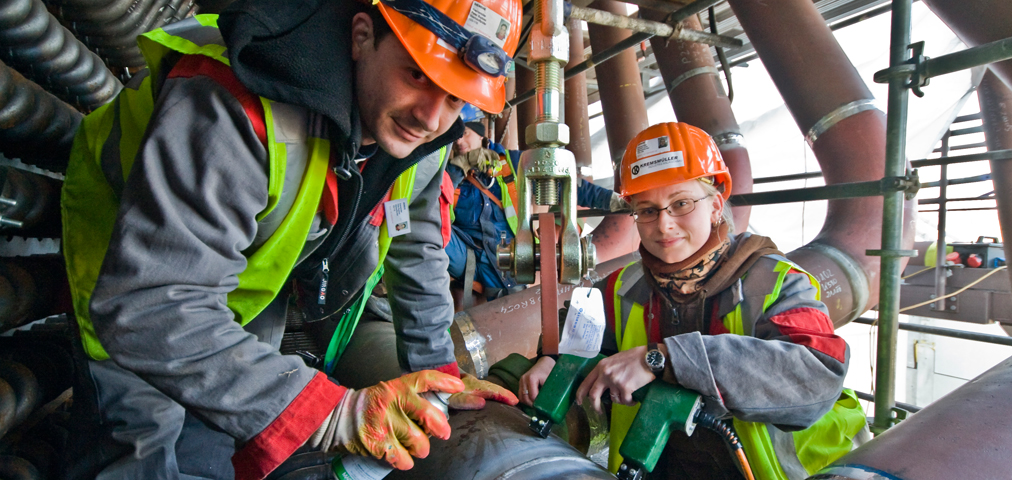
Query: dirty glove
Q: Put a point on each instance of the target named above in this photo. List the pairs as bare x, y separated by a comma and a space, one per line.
476, 392
383, 421
618, 203
479, 159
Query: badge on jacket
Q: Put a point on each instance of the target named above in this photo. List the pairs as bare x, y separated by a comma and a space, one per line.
397, 217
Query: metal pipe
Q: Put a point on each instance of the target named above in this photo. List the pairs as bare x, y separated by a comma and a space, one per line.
698, 98
977, 23
965, 434
871, 398
825, 89
625, 116
576, 100
945, 332
828, 192
992, 156
489, 332
495, 444
892, 224
940, 272
658, 29
995, 100
607, 52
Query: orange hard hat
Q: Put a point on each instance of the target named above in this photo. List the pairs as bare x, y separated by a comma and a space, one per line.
496, 20
671, 153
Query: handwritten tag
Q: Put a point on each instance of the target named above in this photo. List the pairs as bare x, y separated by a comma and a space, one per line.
397, 217
584, 328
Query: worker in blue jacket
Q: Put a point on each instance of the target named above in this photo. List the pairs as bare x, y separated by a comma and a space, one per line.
484, 176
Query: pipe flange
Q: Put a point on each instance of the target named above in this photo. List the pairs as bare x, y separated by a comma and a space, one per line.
691, 73
474, 343
838, 115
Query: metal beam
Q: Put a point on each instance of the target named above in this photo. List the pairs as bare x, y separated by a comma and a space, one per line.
945, 332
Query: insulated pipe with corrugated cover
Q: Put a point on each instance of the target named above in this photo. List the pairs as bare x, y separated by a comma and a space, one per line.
978, 22
17, 468
965, 434
493, 444
35, 126
29, 203
996, 111
26, 393
625, 115
698, 98
832, 105
489, 332
33, 42
111, 29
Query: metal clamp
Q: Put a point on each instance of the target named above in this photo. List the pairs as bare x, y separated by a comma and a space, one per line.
891, 253
691, 73
909, 184
913, 71
729, 140
838, 115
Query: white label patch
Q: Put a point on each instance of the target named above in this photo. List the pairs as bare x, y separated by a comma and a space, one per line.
584, 328
653, 146
658, 163
487, 23
396, 217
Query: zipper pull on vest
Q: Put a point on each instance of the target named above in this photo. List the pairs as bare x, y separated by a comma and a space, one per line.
321, 299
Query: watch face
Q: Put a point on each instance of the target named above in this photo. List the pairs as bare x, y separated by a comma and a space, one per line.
655, 360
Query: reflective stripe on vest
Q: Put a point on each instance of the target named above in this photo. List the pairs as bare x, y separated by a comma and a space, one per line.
103, 154
772, 453
508, 189
402, 188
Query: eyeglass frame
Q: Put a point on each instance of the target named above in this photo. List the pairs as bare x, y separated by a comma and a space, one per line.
668, 209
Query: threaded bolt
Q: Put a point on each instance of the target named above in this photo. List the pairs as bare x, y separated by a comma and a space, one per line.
546, 192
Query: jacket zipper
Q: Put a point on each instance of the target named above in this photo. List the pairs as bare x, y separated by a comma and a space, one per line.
325, 268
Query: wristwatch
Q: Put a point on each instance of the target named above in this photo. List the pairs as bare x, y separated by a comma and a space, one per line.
655, 359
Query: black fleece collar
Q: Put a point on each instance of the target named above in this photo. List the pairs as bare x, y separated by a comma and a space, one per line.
296, 52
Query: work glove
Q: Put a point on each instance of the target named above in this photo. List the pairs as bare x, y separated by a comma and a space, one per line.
618, 203
389, 421
479, 159
476, 392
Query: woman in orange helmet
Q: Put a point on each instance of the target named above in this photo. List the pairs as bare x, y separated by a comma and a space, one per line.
725, 315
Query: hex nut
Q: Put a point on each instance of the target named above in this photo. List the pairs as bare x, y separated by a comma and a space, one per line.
544, 134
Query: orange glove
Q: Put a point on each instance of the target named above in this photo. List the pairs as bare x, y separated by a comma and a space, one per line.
476, 392
389, 420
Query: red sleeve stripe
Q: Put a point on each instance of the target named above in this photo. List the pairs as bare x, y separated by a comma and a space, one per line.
813, 329
262, 454
193, 65
609, 301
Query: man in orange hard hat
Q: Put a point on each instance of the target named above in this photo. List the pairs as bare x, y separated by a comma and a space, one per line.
284, 153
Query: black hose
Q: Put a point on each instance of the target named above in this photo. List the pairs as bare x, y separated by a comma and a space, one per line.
26, 389
17, 468
8, 407
41, 141
727, 433
34, 43
111, 30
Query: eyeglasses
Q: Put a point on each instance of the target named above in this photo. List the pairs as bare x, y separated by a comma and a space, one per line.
476, 51
678, 208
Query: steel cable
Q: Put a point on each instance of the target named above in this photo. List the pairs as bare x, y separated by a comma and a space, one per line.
34, 43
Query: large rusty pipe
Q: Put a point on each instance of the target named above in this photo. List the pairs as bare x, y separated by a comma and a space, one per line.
965, 434
576, 99
625, 115
996, 111
525, 112
489, 332
698, 98
832, 105
978, 22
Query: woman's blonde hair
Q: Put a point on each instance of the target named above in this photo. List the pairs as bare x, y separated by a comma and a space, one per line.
725, 214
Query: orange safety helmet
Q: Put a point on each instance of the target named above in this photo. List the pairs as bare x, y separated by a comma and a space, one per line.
497, 20
671, 153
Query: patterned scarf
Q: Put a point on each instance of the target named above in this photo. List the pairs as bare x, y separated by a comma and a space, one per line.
684, 278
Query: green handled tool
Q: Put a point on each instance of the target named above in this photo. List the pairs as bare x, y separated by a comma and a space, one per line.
664, 408
556, 395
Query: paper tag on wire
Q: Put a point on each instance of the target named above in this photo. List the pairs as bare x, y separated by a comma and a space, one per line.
584, 328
